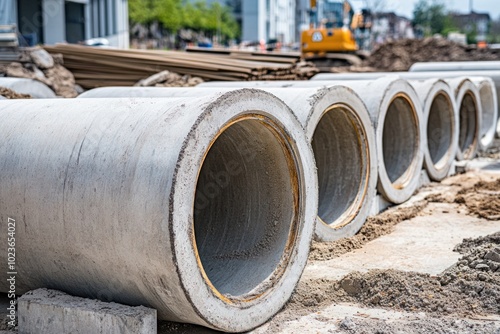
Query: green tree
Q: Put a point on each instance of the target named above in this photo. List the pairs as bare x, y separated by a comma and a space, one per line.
169, 14
141, 11
432, 17
449, 25
177, 14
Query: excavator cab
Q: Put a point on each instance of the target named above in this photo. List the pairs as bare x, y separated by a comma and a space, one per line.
330, 41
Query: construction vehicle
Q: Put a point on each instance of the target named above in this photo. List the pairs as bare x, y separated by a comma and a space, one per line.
330, 41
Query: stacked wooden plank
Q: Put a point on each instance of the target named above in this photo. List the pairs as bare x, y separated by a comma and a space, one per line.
98, 67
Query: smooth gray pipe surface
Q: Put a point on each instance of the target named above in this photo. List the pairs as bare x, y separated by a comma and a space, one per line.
202, 208
339, 127
395, 111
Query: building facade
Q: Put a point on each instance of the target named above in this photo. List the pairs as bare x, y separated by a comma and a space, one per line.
478, 23
389, 26
72, 21
264, 20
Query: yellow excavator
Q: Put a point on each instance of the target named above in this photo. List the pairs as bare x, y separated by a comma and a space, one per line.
330, 41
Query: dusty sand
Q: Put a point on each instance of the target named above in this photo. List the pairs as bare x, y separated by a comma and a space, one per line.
10, 94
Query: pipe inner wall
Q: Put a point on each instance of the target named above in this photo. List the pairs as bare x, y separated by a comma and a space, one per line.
245, 208
400, 141
338, 149
468, 126
440, 130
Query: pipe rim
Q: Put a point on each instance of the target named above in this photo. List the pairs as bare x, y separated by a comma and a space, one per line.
437, 171
293, 231
213, 311
467, 89
326, 99
355, 207
402, 188
489, 108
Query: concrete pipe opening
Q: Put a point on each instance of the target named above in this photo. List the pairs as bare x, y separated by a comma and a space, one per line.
245, 213
468, 133
339, 148
440, 130
400, 141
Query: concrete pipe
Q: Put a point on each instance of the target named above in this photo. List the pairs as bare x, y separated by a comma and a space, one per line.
469, 117
455, 66
203, 208
31, 87
338, 125
493, 74
489, 110
440, 121
396, 114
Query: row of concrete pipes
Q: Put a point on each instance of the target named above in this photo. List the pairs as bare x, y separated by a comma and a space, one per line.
202, 202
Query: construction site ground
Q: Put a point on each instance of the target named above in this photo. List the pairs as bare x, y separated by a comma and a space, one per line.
409, 270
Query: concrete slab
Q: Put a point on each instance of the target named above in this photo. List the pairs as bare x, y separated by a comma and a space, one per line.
50, 311
419, 245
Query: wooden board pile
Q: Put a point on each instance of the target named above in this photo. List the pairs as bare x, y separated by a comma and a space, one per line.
98, 67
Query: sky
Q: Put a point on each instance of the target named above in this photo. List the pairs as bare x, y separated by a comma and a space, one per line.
405, 7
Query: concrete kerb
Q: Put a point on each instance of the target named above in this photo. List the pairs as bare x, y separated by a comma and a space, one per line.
49, 311
124, 203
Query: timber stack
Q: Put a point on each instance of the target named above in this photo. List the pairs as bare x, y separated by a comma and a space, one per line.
99, 67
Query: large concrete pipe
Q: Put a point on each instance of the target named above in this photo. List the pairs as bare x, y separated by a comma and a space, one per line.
31, 87
202, 208
493, 74
469, 117
396, 113
440, 120
338, 125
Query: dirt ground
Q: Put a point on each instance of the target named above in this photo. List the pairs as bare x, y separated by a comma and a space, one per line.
431, 265
10, 94
401, 54
462, 297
